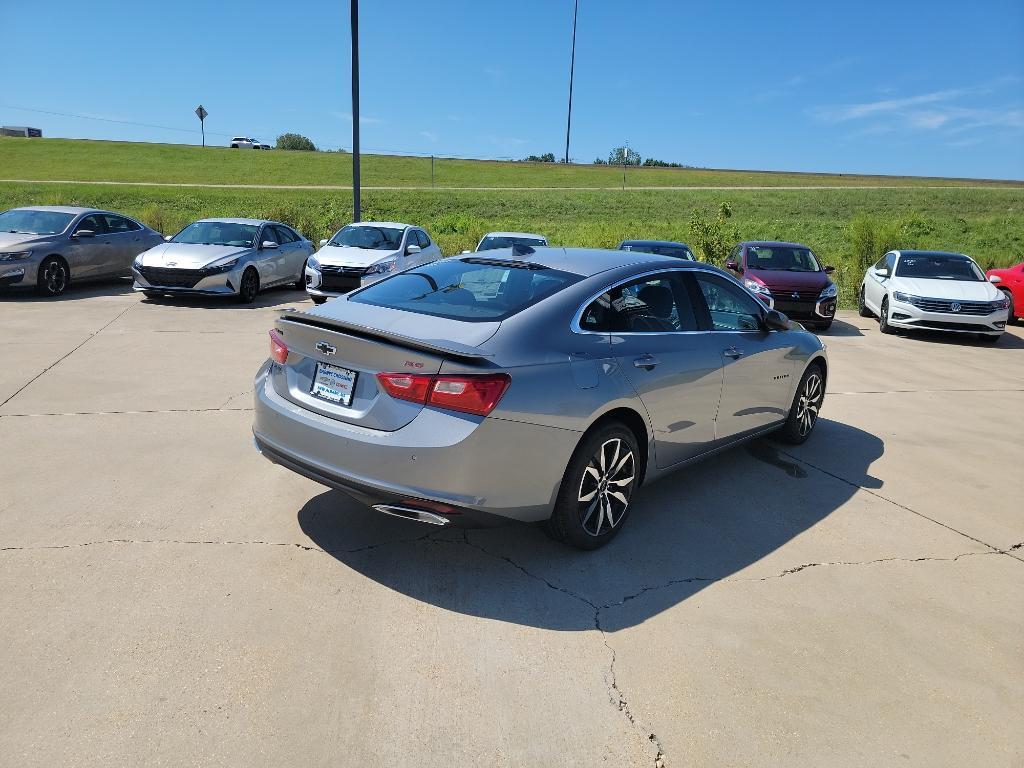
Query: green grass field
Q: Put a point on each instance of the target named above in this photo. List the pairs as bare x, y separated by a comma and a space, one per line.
849, 228
74, 160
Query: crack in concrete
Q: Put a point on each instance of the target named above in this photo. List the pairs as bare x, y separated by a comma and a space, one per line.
61, 359
214, 542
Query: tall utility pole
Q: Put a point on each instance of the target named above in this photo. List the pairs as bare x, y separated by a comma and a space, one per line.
572, 67
355, 111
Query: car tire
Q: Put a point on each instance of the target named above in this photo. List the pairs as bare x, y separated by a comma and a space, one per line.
587, 515
862, 307
300, 284
234, 146
318, 299
989, 338
883, 318
153, 295
807, 402
1011, 319
53, 276
250, 286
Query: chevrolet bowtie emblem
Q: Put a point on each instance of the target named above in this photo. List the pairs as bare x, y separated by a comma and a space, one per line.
325, 348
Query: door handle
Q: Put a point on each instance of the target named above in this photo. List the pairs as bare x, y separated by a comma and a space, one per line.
733, 352
647, 362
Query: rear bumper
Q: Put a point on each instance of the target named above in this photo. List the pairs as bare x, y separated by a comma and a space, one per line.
467, 469
908, 316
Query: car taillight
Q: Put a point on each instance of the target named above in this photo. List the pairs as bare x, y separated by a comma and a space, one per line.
477, 394
278, 349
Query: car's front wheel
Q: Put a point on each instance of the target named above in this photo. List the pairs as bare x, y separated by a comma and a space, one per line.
300, 284
862, 307
318, 299
593, 501
250, 286
807, 402
883, 318
53, 276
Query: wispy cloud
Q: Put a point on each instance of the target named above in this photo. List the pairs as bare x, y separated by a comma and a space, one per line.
430, 136
950, 111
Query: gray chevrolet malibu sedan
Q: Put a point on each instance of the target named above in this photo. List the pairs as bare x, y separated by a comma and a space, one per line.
537, 385
46, 247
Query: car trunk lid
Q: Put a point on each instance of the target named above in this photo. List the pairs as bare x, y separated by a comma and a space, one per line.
383, 340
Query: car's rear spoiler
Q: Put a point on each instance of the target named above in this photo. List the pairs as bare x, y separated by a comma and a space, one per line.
443, 346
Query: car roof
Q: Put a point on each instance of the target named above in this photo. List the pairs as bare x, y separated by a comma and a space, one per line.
770, 243
581, 261
670, 243
515, 234
394, 224
60, 209
254, 222
930, 253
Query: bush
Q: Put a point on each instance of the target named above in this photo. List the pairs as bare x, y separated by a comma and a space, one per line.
871, 237
547, 157
713, 237
295, 141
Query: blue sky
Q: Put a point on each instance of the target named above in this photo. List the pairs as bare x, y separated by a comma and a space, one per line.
904, 87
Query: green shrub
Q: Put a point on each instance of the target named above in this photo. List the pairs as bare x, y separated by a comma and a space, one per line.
713, 237
295, 141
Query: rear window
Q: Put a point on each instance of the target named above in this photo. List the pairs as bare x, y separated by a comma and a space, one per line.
491, 243
475, 290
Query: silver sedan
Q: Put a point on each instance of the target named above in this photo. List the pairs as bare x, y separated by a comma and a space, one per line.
46, 247
224, 257
542, 387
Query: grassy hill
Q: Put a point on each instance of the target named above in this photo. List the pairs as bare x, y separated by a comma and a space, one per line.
849, 228
77, 160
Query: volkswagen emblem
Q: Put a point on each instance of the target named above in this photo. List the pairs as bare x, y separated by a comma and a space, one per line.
325, 348
795, 295
955, 306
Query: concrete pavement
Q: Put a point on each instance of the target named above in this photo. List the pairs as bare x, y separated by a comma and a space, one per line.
171, 598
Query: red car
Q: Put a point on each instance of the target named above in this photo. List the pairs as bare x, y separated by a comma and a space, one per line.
787, 277
1011, 282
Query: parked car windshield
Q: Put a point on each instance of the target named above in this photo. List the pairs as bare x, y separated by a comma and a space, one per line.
476, 290
490, 243
675, 251
218, 233
369, 237
939, 268
24, 222
783, 258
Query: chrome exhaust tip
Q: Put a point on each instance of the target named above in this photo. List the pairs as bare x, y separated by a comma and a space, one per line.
412, 514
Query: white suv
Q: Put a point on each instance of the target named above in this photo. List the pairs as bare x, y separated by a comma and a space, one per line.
933, 290
245, 142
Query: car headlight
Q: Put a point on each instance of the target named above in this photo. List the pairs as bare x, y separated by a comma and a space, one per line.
137, 264
313, 263
15, 255
756, 287
830, 292
223, 266
381, 267
1000, 303
906, 298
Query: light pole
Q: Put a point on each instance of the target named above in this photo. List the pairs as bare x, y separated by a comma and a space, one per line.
355, 111
572, 67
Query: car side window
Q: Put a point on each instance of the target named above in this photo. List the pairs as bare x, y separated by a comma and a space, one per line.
654, 304
268, 234
880, 264
890, 263
423, 239
93, 223
284, 235
731, 308
118, 224
734, 254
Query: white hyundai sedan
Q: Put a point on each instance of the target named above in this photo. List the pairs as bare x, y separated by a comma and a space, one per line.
932, 290
362, 253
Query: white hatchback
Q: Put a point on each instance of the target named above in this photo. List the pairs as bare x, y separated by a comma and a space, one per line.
932, 290
362, 253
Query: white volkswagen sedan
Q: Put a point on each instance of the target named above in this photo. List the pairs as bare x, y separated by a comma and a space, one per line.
933, 290
362, 253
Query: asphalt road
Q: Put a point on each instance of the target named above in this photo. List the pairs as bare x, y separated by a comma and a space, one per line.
168, 597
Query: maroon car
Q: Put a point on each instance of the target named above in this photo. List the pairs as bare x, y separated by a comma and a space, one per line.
787, 277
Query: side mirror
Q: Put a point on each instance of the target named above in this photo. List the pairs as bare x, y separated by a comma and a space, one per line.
409, 251
324, 242
829, 270
168, 238
731, 264
464, 252
84, 233
882, 272
776, 321
268, 244
995, 279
